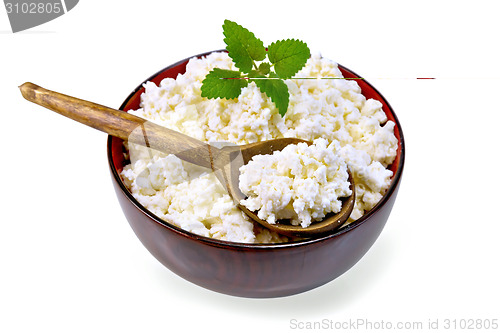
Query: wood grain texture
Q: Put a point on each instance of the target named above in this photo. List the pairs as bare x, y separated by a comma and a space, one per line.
121, 124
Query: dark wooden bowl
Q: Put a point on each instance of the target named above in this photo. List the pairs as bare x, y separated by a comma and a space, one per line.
254, 270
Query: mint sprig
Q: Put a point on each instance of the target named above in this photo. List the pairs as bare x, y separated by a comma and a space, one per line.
286, 58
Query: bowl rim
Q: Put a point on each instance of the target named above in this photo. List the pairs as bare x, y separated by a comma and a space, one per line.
258, 246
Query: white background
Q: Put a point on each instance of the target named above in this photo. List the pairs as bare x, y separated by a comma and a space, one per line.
69, 262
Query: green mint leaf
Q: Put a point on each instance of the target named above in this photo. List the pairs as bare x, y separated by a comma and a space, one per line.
222, 83
242, 45
264, 68
288, 57
277, 90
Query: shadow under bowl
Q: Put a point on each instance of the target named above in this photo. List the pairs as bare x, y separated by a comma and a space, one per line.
254, 270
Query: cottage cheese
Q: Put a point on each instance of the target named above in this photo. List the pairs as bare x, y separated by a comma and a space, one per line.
301, 183
192, 198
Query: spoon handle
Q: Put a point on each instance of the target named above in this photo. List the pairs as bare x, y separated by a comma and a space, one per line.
122, 124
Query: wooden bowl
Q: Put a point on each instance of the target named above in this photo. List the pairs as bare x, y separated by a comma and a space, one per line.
254, 270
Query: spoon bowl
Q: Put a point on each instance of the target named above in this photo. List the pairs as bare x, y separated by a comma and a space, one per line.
225, 161
236, 156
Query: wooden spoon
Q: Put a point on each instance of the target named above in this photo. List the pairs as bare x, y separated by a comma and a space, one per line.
225, 161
